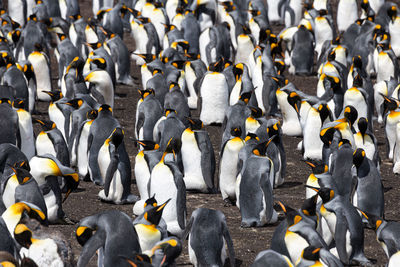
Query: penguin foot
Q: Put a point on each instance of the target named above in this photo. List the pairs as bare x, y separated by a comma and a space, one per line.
228, 202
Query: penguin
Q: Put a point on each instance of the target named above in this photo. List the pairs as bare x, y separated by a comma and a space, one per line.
366, 140
273, 11
269, 258
312, 180
25, 129
14, 77
41, 69
45, 170
147, 231
198, 158
18, 186
9, 123
44, 252
158, 83
166, 181
229, 164
191, 32
245, 44
257, 172
115, 169
323, 30
345, 225
96, 233
317, 116
103, 90
252, 122
214, 95
394, 260
387, 233
148, 42
385, 63
148, 112
209, 243
176, 100
50, 141
81, 146
302, 53
194, 71
65, 53
148, 156
368, 195
243, 83
347, 14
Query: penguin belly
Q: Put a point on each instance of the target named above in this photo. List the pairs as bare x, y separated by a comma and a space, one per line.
148, 236
251, 125
396, 153
355, 98
16, 11
116, 190
290, 124
44, 145
190, 77
204, 40
385, 68
191, 157
323, 32
9, 192
347, 14
311, 141
140, 36
394, 260
82, 150
214, 93
228, 172
244, 48
58, 118
104, 160
390, 129
42, 74
146, 75
162, 184
258, 83
295, 245
368, 145
394, 30
26, 132
273, 12
142, 175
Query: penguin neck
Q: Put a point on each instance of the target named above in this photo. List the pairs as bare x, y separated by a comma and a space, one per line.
364, 168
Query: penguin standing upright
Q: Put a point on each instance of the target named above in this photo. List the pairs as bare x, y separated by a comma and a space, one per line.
103, 91
9, 123
209, 238
214, 95
302, 56
166, 182
25, 129
197, 158
229, 165
148, 112
323, 30
41, 69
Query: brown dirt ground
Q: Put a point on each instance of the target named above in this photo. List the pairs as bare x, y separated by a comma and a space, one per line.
247, 241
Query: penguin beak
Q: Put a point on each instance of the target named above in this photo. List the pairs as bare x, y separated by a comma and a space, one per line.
72, 181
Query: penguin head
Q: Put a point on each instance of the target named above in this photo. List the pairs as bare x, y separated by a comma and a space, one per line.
280, 66
32, 17
171, 249
56, 95
28, 71
374, 221
324, 112
322, 12
238, 71
292, 216
92, 114
332, 82
23, 176
174, 86
94, 46
392, 13
318, 167
38, 47
336, 41
326, 194
245, 97
117, 136
389, 104
311, 253
236, 131
331, 56
253, 12
146, 57
362, 125
179, 64
46, 125
357, 81
83, 234
75, 103
61, 36
365, 5
8, 260
23, 235
75, 17
150, 202
256, 112
173, 146
309, 206
105, 108
358, 157
350, 114
274, 129
195, 124
357, 62
169, 111
18, 103
217, 66
146, 93
71, 183
326, 135
294, 100
344, 143
23, 164
148, 145
154, 214
251, 136
99, 62
261, 149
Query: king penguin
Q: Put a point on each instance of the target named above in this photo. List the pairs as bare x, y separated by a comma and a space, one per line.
25, 129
